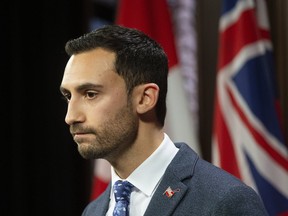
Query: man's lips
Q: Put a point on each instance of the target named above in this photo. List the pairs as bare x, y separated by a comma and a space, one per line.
78, 132
80, 135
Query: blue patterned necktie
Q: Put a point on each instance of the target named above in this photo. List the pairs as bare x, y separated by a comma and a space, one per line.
122, 191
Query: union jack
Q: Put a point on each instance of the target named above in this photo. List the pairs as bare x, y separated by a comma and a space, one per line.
247, 135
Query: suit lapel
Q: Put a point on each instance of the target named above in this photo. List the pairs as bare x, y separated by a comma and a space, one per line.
162, 202
103, 205
180, 169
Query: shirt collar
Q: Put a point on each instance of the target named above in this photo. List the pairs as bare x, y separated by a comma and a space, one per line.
152, 168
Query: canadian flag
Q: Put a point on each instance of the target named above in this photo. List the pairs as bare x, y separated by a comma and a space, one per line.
154, 17
169, 192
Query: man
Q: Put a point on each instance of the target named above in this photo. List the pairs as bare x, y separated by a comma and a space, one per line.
115, 84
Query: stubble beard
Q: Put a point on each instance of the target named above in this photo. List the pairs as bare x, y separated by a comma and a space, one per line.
113, 137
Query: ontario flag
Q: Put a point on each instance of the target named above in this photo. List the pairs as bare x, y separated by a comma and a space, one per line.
154, 17
248, 140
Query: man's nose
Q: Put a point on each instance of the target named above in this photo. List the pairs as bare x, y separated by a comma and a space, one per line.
74, 113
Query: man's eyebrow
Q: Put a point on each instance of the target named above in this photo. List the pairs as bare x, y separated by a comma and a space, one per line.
83, 86
88, 86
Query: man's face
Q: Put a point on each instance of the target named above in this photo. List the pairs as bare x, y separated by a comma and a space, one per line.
101, 117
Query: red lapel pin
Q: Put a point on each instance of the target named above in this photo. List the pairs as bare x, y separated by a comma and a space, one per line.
169, 192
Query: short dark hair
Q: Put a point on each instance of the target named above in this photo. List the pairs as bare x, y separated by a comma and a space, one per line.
139, 58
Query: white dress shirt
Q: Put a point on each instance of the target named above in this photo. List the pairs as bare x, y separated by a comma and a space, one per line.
145, 178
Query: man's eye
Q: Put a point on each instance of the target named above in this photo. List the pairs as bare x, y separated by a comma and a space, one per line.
91, 95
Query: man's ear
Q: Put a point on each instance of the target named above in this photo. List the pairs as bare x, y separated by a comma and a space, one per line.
147, 97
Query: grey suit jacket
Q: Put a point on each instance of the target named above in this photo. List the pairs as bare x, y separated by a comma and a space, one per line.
203, 189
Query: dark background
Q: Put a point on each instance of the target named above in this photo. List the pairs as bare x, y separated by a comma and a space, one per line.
41, 170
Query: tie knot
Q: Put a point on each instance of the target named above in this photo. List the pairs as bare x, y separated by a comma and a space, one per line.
122, 190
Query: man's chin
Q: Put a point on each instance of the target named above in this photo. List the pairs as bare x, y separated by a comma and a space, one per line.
89, 152
86, 151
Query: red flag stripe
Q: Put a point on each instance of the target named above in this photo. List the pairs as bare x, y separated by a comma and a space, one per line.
227, 161
98, 187
245, 25
148, 16
260, 140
